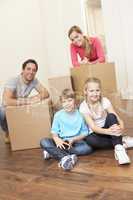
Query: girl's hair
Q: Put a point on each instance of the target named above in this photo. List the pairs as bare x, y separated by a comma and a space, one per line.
91, 80
86, 44
67, 93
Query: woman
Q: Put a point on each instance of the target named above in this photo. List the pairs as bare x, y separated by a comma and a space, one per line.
89, 49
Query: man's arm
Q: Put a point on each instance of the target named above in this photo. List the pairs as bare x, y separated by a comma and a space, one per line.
42, 93
10, 100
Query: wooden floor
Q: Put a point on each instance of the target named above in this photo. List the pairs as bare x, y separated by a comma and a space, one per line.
24, 175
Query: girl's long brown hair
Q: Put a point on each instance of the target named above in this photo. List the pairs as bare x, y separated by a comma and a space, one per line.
86, 44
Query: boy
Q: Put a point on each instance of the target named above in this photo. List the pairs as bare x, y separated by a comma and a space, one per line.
68, 130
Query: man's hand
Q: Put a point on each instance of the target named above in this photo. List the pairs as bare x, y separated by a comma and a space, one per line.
34, 99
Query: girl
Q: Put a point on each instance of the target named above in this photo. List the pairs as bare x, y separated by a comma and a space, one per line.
106, 126
89, 50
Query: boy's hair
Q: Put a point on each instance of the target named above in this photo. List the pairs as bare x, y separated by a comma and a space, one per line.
67, 93
91, 80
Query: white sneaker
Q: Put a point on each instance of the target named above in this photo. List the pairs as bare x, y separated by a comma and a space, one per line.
46, 155
121, 155
127, 141
66, 163
74, 159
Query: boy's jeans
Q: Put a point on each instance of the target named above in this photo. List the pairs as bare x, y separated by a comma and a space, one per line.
3, 121
78, 148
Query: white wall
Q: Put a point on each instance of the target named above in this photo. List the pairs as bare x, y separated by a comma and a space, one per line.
37, 29
20, 38
57, 17
118, 26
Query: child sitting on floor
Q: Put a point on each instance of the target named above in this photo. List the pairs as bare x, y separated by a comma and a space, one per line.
68, 131
105, 124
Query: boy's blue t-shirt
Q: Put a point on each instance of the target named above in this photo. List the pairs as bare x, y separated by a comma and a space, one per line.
68, 125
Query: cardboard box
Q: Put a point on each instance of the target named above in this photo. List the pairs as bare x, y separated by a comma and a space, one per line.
28, 124
105, 72
56, 86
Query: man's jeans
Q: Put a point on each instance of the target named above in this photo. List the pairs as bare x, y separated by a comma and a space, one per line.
3, 121
78, 148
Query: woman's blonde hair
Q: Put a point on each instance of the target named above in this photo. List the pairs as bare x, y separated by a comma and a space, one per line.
86, 44
91, 80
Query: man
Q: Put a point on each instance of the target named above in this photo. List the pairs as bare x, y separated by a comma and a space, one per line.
17, 90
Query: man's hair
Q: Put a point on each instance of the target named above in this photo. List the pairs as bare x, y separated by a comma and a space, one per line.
67, 93
30, 61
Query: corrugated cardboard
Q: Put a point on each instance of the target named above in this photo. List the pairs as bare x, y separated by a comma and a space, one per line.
105, 72
28, 124
56, 86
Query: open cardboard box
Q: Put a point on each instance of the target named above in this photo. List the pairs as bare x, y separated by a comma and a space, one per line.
28, 124
104, 71
56, 86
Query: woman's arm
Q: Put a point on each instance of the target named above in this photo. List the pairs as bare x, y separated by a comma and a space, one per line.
100, 51
74, 56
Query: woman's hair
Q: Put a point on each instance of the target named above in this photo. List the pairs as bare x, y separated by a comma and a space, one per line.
86, 44
67, 93
91, 80
76, 29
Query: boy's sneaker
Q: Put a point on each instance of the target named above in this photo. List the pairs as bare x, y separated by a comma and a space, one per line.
74, 159
46, 155
127, 141
121, 155
66, 163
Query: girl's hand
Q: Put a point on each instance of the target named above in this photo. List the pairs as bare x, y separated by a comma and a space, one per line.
114, 130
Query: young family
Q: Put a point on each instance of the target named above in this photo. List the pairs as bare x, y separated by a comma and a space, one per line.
75, 131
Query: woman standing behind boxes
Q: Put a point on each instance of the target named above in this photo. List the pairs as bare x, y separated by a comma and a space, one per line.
89, 49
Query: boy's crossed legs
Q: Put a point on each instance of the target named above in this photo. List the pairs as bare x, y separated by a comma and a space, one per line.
67, 157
